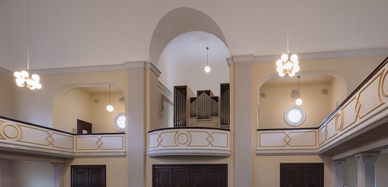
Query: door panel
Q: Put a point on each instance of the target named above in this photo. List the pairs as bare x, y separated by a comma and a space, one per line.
88, 176
190, 175
301, 175
84, 127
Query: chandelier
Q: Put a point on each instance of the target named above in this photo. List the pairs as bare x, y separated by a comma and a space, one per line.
285, 65
23, 77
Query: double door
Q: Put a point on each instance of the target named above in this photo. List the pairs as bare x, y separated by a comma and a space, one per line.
190, 175
301, 175
88, 176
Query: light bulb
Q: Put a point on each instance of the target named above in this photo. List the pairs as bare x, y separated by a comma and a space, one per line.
24, 73
284, 57
35, 77
281, 74
17, 74
109, 108
294, 58
298, 101
279, 69
279, 63
207, 69
30, 82
19, 82
38, 85
292, 74
288, 65
296, 68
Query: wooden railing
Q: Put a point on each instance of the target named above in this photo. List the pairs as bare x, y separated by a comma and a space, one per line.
363, 110
18, 136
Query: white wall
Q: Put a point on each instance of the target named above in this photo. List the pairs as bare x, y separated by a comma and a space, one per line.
31, 174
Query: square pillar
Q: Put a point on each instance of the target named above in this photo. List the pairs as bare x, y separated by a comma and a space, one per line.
243, 159
58, 174
338, 172
366, 168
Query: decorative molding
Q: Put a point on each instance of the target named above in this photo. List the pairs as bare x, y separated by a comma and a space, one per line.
165, 90
6, 72
135, 64
149, 65
16, 136
84, 69
189, 142
328, 54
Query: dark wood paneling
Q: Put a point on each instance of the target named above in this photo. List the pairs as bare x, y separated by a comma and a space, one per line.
88, 176
190, 175
301, 175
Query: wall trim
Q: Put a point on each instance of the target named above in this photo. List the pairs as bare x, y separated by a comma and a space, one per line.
150, 65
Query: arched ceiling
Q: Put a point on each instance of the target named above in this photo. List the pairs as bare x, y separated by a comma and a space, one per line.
77, 33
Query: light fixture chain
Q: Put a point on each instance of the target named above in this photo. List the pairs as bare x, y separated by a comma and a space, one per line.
288, 32
109, 92
207, 56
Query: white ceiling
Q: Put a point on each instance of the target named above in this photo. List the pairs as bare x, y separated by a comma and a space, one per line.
76, 33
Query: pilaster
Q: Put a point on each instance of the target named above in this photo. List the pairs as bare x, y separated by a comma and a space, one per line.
58, 174
242, 120
136, 123
338, 172
366, 168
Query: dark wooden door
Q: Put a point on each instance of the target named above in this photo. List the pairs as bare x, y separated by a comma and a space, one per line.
301, 175
88, 176
84, 127
190, 175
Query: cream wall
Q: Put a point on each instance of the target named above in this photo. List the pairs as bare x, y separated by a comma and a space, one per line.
76, 104
277, 99
352, 70
267, 168
31, 174
102, 119
6, 97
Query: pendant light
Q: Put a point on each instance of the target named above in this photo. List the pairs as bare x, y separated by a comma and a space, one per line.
23, 77
207, 67
109, 107
298, 101
285, 65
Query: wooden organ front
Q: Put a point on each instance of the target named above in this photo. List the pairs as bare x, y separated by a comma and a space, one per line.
204, 110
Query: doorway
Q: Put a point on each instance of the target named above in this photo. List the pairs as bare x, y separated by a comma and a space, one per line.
301, 175
88, 176
190, 175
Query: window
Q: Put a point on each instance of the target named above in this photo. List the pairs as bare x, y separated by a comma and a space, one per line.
119, 122
294, 116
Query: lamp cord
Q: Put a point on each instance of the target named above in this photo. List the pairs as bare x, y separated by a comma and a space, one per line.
207, 56
109, 93
288, 25
298, 88
28, 35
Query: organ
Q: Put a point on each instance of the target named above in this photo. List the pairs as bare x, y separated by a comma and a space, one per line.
204, 110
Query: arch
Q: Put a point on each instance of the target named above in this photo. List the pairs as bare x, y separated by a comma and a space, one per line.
177, 22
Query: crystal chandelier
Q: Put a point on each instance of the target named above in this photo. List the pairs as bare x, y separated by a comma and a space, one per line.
285, 65
23, 77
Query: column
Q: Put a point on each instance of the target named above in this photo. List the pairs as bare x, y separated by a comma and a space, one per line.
58, 174
1, 170
242, 100
338, 172
366, 168
136, 128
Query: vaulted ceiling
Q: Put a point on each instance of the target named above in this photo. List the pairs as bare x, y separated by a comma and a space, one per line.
76, 33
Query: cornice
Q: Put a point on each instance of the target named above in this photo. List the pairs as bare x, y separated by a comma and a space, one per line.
5, 72
154, 69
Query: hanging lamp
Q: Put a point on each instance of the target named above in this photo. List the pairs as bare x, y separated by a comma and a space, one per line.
285, 65
298, 101
207, 67
109, 107
23, 77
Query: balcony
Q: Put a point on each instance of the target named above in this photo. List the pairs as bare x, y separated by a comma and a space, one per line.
189, 141
362, 117
18, 136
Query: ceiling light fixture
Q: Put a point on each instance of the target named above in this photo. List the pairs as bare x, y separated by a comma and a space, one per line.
23, 77
298, 101
285, 65
207, 67
109, 107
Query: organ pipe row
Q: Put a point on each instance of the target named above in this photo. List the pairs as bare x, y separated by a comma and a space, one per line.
205, 109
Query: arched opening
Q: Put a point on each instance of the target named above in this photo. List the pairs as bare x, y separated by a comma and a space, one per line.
321, 93
88, 103
179, 49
